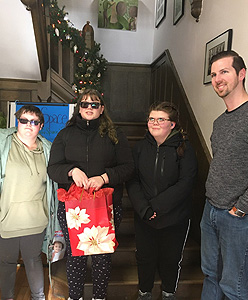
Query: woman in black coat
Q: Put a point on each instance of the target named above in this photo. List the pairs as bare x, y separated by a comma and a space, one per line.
92, 153
160, 192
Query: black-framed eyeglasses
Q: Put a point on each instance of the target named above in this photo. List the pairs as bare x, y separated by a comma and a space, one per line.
31, 122
94, 105
160, 121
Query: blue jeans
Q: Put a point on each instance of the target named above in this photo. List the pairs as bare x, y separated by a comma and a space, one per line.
224, 252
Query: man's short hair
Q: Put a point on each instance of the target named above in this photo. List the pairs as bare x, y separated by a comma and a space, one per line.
238, 62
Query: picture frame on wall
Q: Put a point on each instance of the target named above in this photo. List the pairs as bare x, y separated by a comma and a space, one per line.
222, 42
160, 11
178, 11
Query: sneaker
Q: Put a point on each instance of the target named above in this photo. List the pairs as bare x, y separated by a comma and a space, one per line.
168, 296
144, 296
72, 299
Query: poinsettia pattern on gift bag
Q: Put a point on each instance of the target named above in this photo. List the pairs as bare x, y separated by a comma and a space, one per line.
96, 240
90, 220
76, 217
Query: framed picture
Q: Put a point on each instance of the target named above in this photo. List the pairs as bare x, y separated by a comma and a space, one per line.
178, 10
220, 43
120, 15
160, 11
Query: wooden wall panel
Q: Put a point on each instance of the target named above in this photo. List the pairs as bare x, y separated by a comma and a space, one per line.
127, 91
12, 90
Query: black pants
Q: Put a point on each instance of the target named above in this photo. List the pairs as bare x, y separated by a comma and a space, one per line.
76, 266
159, 249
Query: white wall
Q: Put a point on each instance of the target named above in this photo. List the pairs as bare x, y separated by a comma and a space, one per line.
186, 42
117, 45
18, 54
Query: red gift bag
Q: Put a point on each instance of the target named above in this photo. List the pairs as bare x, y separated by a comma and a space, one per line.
90, 220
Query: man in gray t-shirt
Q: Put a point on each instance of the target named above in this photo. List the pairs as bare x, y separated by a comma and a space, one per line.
224, 225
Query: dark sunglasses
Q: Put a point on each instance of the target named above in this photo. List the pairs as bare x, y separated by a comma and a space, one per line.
31, 122
94, 105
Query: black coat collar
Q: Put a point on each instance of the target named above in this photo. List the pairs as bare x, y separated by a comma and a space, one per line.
87, 125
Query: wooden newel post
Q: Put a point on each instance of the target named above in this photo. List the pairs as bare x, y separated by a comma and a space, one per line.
88, 34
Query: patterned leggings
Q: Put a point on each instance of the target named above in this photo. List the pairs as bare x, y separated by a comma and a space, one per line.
76, 266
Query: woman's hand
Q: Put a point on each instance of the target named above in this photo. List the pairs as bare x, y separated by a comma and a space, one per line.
79, 177
97, 182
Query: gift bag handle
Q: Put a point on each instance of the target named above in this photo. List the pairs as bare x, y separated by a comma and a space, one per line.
81, 195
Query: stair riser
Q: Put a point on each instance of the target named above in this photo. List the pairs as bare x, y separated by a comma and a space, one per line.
126, 227
120, 258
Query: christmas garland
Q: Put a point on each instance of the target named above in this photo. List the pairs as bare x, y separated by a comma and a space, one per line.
90, 64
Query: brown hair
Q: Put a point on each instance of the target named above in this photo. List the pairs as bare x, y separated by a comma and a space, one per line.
106, 124
238, 62
173, 113
30, 109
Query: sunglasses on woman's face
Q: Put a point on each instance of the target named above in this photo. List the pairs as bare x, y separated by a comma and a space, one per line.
31, 122
94, 105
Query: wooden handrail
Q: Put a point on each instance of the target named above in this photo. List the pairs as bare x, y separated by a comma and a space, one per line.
37, 9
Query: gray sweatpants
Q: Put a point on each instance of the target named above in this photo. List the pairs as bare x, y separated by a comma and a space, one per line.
30, 248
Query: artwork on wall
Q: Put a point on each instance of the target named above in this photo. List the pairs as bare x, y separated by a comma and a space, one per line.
116, 14
178, 10
160, 11
220, 43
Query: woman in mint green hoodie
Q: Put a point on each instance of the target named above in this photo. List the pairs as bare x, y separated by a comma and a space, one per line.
28, 204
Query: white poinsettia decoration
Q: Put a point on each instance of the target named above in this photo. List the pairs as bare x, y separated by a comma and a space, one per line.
76, 217
96, 240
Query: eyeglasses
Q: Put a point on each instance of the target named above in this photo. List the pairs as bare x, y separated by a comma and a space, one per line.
31, 122
160, 121
94, 105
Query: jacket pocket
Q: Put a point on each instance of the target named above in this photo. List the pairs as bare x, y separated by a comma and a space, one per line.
24, 215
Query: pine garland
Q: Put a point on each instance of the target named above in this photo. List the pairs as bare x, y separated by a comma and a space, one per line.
90, 64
